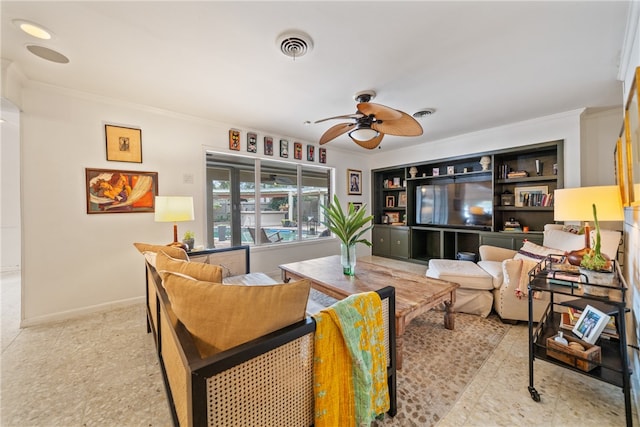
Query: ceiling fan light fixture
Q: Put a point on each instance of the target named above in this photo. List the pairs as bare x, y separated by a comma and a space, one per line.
363, 133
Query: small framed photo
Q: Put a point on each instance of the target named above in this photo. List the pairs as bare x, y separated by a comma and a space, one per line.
435, 171
357, 205
396, 182
590, 324
252, 142
322, 155
123, 144
311, 151
402, 199
393, 216
525, 196
390, 202
268, 146
450, 170
354, 182
234, 140
284, 148
297, 151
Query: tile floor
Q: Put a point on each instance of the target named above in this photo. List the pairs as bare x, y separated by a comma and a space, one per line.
101, 370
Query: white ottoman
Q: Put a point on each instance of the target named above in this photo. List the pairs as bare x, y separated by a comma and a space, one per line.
474, 295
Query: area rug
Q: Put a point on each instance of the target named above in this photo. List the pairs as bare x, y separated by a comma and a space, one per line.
438, 363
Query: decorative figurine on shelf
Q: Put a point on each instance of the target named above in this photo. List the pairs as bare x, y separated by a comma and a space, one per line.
485, 161
413, 171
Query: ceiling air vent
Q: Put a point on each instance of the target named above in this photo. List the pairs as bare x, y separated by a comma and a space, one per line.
295, 44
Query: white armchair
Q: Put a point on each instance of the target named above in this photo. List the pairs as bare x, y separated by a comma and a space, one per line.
512, 267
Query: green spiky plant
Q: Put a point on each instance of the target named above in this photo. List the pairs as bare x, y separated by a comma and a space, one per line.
594, 259
350, 225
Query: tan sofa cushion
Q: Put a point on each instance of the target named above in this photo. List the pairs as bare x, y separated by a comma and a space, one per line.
196, 270
466, 273
150, 251
220, 317
562, 240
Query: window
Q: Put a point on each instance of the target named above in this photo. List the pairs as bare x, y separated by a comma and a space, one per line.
254, 201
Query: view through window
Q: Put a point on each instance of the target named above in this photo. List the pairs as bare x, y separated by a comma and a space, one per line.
254, 201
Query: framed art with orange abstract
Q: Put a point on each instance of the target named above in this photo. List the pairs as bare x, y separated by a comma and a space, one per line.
118, 191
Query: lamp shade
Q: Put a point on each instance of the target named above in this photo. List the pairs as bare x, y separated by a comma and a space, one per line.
575, 204
174, 208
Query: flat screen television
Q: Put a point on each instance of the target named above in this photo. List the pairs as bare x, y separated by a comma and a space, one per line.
467, 204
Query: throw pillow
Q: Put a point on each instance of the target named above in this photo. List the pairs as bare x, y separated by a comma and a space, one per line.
220, 317
196, 270
149, 251
536, 253
563, 241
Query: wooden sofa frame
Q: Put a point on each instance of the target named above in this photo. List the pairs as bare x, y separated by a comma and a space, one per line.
267, 381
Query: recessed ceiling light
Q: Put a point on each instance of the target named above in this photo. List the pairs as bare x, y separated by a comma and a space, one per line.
33, 29
423, 112
48, 54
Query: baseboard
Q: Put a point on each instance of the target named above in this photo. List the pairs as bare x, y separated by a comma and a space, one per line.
72, 314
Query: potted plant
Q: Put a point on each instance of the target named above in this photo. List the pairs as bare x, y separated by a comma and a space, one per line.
596, 266
349, 227
189, 239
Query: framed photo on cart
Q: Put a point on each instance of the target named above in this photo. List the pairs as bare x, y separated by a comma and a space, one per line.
590, 324
123, 144
354, 182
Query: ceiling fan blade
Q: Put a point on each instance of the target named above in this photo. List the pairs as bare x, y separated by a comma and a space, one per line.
370, 144
346, 116
335, 131
381, 112
404, 126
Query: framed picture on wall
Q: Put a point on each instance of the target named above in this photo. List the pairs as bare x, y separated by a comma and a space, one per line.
124, 144
311, 151
268, 146
252, 142
322, 155
118, 191
284, 148
354, 182
234, 139
297, 151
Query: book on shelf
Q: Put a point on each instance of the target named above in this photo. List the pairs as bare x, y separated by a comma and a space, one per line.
517, 174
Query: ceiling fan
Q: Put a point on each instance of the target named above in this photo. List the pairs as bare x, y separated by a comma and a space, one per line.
371, 123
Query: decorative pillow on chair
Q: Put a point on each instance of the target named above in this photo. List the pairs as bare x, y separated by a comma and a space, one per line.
536, 253
149, 251
220, 317
563, 240
196, 270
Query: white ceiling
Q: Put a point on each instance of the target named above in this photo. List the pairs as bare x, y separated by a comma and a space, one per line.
480, 64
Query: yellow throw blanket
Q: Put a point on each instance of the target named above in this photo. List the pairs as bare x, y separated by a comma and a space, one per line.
350, 362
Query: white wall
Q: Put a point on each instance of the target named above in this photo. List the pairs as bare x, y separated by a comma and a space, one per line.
564, 126
10, 188
75, 262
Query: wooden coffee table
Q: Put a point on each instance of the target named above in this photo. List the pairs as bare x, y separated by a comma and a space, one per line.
415, 294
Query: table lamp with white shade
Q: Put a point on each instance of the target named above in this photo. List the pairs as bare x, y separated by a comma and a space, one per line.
174, 209
576, 204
